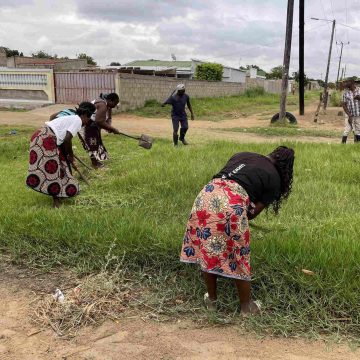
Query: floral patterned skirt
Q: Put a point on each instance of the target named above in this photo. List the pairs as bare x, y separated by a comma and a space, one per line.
48, 171
217, 235
90, 137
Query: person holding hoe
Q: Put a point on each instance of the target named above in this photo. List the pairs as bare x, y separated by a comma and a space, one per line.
178, 102
90, 136
217, 235
51, 155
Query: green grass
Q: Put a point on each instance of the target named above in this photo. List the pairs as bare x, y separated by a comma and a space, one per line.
141, 202
251, 102
286, 131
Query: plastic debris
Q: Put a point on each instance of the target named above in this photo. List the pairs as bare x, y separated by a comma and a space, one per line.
59, 296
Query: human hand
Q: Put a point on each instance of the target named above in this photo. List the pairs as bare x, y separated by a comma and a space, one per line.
116, 131
70, 158
192, 117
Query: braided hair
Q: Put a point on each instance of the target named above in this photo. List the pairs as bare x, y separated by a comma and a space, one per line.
283, 158
85, 108
111, 97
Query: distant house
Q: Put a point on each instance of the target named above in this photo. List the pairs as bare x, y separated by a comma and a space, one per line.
177, 69
56, 64
254, 73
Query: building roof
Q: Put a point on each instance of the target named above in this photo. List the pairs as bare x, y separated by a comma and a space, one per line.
168, 64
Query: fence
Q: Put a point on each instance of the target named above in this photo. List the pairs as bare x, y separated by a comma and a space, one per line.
34, 84
135, 90
74, 87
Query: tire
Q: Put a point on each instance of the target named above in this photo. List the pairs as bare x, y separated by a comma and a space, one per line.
289, 116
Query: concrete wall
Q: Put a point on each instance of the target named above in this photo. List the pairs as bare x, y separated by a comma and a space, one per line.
271, 86
30, 84
3, 58
71, 64
135, 90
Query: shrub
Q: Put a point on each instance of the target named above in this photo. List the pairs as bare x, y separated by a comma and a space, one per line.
335, 98
254, 92
209, 71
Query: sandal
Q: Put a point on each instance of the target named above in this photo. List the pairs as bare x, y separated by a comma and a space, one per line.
209, 304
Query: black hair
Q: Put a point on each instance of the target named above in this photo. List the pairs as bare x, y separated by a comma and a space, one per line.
111, 97
283, 158
85, 108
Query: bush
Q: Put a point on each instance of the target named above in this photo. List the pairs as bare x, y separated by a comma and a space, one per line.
254, 92
335, 98
209, 71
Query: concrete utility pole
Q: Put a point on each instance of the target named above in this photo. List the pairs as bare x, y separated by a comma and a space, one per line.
342, 45
325, 96
286, 63
301, 57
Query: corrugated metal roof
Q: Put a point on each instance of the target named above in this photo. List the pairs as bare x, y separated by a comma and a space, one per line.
182, 64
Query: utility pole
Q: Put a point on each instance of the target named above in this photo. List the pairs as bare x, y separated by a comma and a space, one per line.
342, 45
301, 57
286, 63
325, 96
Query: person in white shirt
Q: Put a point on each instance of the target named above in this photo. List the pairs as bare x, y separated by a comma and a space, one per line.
51, 155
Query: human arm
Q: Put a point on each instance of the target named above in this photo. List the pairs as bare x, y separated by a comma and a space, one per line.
100, 118
67, 146
53, 116
168, 101
255, 210
190, 108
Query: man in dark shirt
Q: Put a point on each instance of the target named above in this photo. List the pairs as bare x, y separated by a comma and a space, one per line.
178, 113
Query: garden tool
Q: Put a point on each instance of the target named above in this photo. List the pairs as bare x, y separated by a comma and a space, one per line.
145, 141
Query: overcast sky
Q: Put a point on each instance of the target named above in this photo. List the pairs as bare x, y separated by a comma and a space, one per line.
231, 32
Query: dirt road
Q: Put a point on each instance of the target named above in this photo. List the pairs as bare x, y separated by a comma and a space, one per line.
200, 130
134, 338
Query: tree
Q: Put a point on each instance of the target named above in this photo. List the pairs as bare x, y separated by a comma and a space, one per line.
10, 52
89, 59
114, 63
41, 54
209, 71
296, 77
275, 73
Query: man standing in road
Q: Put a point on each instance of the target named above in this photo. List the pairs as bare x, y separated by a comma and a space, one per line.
178, 114
351, 106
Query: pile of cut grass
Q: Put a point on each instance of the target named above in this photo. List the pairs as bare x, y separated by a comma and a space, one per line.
141, 203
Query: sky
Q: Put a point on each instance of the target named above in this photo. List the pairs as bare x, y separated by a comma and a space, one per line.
231, 32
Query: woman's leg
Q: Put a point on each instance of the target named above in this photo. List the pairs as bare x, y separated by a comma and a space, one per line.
210, 282
56, 202
246, 304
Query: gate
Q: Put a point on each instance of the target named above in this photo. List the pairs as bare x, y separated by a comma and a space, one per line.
72, 88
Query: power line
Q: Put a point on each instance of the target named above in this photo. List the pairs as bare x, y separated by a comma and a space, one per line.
265, 45
350, 27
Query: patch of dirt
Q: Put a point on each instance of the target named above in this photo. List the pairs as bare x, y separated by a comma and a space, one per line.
133, 338
201, 130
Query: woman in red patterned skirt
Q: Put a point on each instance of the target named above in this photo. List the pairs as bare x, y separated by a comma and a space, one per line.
51, 154
217, 235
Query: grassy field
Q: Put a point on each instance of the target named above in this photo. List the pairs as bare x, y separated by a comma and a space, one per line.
286, 131
215, 109
139, 206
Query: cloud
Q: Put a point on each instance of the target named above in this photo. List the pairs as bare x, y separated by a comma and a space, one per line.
136, 11
232, 32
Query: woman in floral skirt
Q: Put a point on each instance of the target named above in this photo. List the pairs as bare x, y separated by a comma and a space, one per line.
217, 235
51, 155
